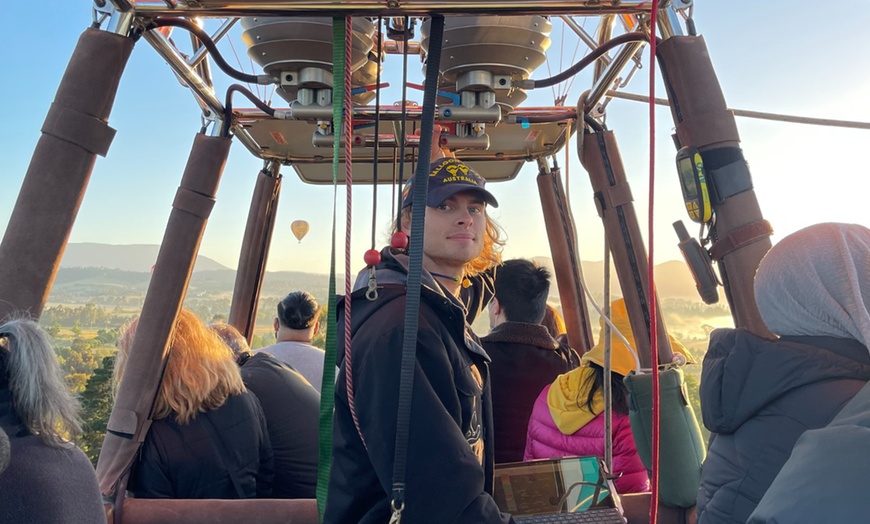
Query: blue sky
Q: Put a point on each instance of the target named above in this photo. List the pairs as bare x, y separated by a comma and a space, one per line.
770, 56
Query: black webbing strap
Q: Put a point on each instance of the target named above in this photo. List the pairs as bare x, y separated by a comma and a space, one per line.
419, 187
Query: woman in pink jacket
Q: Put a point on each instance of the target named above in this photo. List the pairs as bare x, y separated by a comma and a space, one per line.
568, 416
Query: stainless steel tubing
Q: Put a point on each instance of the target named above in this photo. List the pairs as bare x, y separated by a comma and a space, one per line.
310, 112
196, 84
220, 33
469, 114
225, 8
464, 142
599, 90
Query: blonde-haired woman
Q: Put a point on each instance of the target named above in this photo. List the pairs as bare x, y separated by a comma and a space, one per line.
208, 438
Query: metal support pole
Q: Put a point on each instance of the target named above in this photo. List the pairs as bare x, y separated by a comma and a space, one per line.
614, 201
605, 31
742, 236
75, 131
255, 250
560, 233
131, 415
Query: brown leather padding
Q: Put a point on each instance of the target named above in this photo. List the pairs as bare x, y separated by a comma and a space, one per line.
59, 171
623, 253
255, 252
574, 308
246, 511
166, 291
697, 103
703, 121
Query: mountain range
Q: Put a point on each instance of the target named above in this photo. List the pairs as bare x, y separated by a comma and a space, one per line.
131, 257
90, 269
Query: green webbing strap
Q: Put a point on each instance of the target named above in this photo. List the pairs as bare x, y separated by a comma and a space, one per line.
327, 391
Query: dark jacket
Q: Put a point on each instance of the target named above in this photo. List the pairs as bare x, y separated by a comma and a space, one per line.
292, 409
221, 454
525, 358
44, 483
757, 397
450, 458
825, 478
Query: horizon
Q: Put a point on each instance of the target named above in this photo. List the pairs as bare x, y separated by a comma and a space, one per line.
229, 268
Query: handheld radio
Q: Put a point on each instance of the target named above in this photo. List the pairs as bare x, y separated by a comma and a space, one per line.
698, 260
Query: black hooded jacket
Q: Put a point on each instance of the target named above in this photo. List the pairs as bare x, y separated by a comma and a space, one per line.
758, 396
450, 452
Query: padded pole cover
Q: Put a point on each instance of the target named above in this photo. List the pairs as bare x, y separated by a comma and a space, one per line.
681, 448
130, 419
74, 132
574, 307
703, 121
255, 251
248, 511
614, 201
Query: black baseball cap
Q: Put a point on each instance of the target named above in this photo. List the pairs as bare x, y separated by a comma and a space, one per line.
448, 176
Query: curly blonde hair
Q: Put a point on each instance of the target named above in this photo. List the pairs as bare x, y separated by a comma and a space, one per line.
200, 374
493, 243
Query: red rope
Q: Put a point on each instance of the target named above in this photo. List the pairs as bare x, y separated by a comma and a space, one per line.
653, 329
347, 129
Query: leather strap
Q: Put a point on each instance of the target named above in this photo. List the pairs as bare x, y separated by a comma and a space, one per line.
740, 237
84, 130
196, 204
708, 128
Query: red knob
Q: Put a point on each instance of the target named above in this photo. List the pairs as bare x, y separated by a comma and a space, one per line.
399, 240
372, 257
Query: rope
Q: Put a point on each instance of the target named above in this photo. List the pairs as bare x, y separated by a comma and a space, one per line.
608, 366
347, 130
653, 326
375, 166
407, 37
760, 115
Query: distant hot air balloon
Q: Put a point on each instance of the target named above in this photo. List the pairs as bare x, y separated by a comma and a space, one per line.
300, 229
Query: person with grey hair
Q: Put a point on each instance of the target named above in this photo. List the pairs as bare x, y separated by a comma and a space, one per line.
5, 451
758, 395
231, 337
48, 479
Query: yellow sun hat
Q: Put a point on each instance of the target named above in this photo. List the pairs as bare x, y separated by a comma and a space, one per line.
621, 359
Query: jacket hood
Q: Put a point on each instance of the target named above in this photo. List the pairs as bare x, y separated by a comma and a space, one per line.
567, 400
743, 372
391, 275
393, 269
522, 333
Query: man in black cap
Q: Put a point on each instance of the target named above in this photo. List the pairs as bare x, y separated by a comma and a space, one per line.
450, 447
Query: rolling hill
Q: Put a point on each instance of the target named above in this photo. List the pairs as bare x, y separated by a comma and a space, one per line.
132, 257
